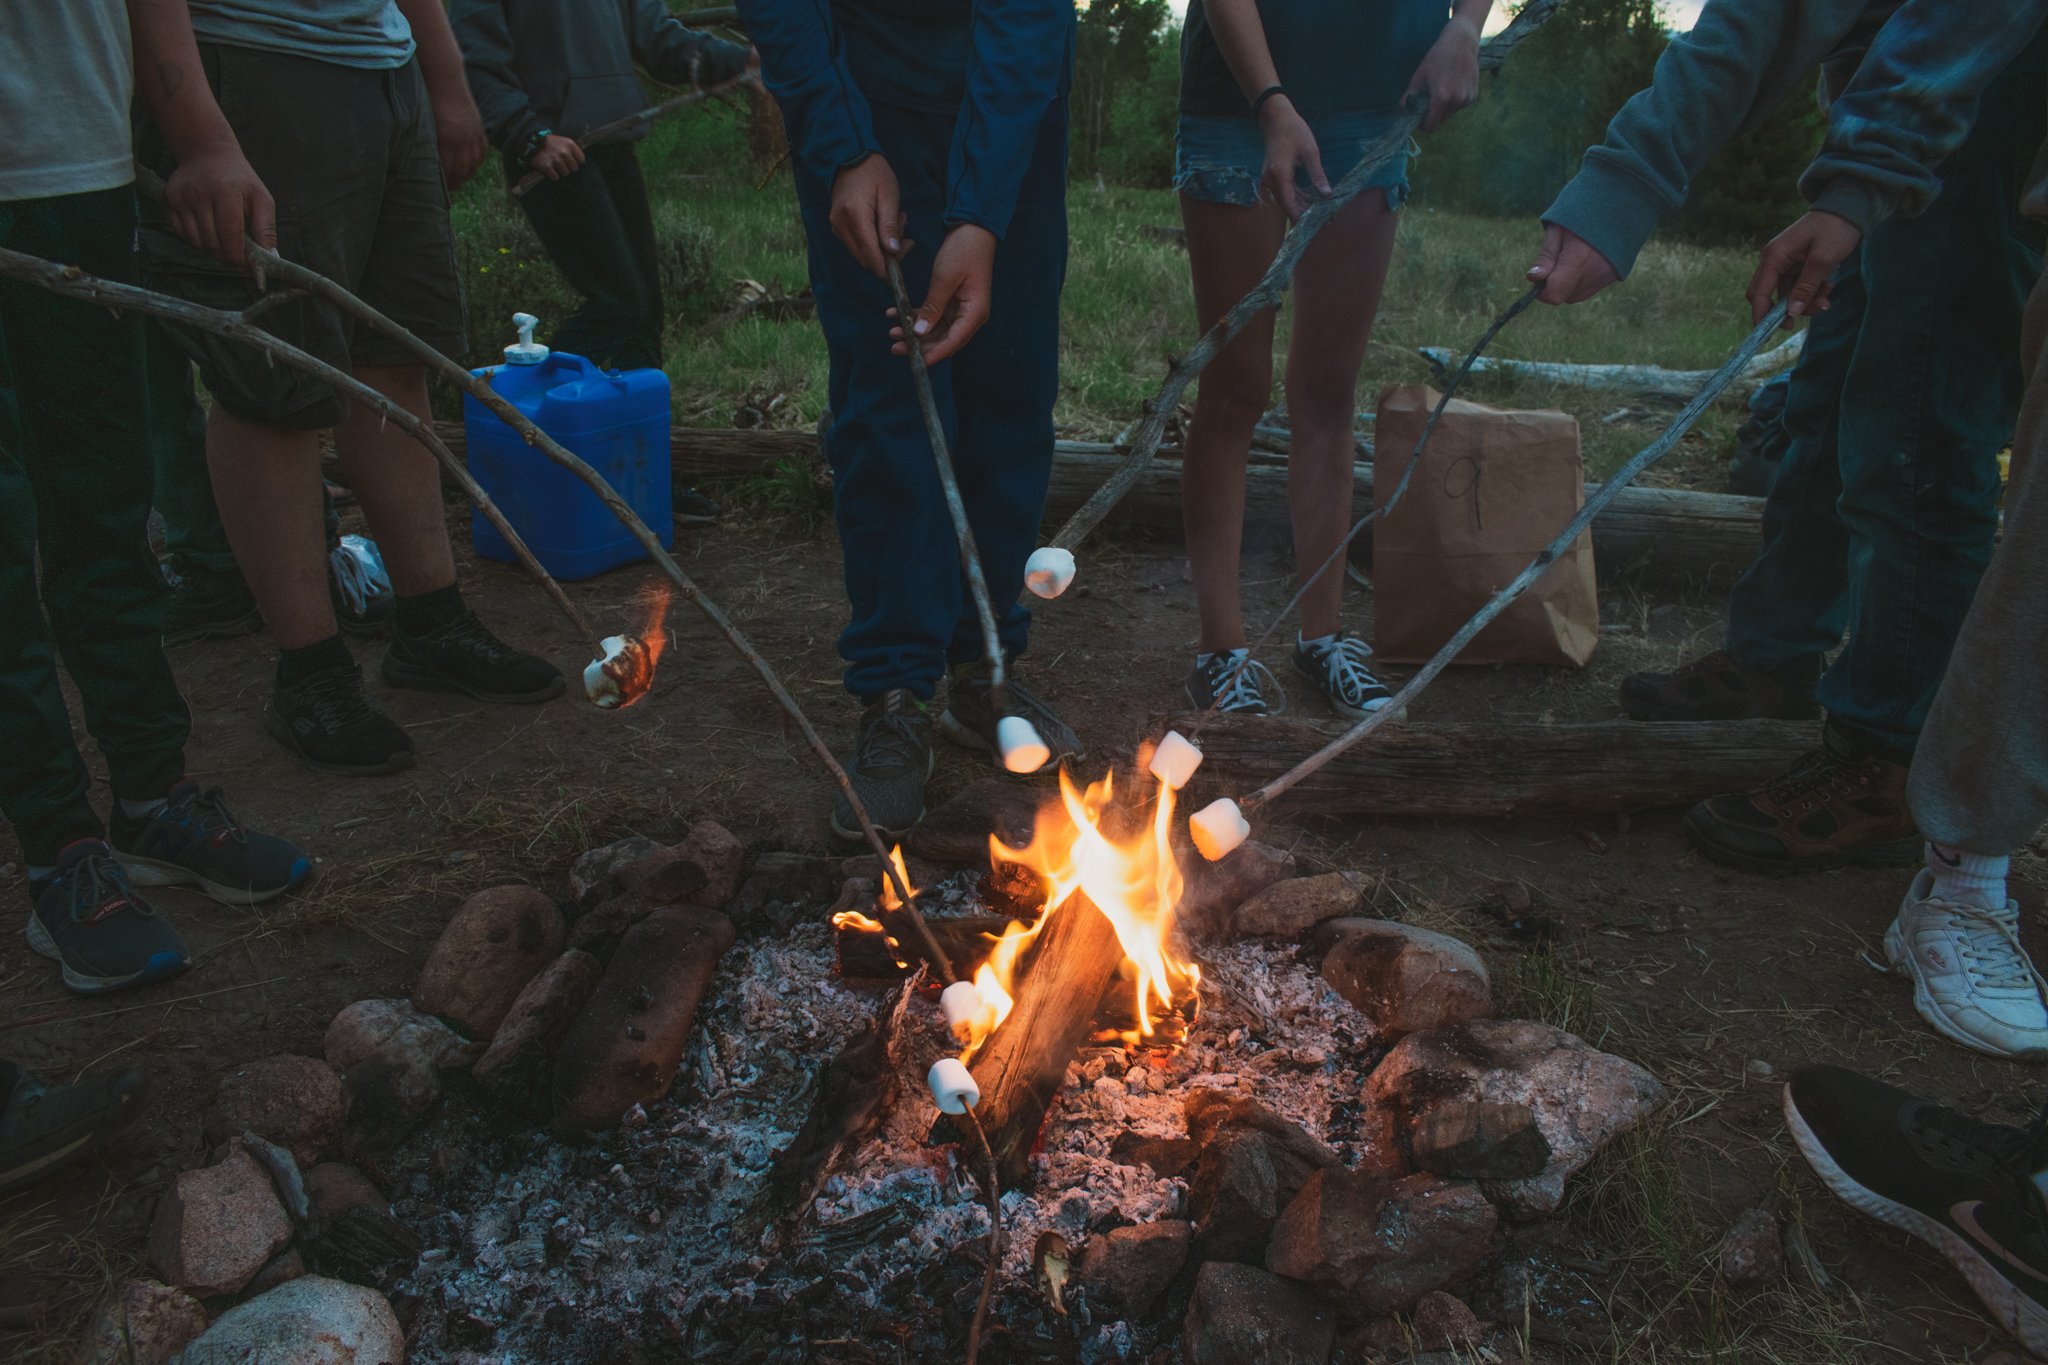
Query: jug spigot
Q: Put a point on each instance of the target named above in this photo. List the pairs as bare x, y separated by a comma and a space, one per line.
525, 351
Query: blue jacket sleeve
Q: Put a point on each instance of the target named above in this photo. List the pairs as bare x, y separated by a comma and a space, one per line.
1912, 103
1022, 53
677, 55
803, 66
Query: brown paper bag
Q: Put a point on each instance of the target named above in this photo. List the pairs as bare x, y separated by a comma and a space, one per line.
1493, 489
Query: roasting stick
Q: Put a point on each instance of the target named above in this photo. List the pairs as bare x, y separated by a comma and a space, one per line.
1499, 324
994, 1195
1232, 811
76, 284
1266, 294
620, 128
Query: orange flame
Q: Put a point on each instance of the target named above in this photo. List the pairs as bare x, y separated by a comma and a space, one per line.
890, 900
633, 669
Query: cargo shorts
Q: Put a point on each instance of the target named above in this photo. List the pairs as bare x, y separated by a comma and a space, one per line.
349, 155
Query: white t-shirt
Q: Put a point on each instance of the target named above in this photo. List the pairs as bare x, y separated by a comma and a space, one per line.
66, 77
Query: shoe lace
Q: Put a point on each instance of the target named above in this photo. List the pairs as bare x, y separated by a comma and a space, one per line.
1812, 779
358, 572
1990, 950
209, 811
98, 880
1237, 681
890, 739
1972, 1142
467, 633
336, 699
1345, 664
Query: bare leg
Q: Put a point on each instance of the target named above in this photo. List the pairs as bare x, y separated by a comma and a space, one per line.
1229, 247
1336, 294
267, 482
398, 483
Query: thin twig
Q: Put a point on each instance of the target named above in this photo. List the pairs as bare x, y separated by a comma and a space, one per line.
949, 480
620, 129
66, 1016
1606, 493
1499, 324
1266, 294
994, 1196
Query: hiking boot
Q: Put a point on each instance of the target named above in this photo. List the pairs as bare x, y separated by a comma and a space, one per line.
1338, 667
328, 721
359, 588
695, 509
1958, 1184
892, 760
1835, 808
1715, 687
91, 920
1971, 979
463, 656
43, 1127
207, 604
195, 841
970, 717
1233, 682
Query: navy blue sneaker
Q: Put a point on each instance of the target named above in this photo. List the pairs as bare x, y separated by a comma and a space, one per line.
196, 841
90, 919
43, 1127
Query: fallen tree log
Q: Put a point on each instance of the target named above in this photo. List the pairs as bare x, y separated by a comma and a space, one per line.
1447, 770
1648, 381
1663, 532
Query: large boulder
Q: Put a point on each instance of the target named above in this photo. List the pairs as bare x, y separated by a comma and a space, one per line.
391, 1057
141, 1322
1582, 1098
498, 940
1404, 978
296, 1102
518, 1059
1132, 1266
1376, 1248
1242, 1315
309, 1321
218, 1225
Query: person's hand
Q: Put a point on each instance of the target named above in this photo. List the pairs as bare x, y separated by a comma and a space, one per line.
556, 156
1291, 153
1568, 267
957, 304
459, 132
1449, 74
867, 213
1799, 264
216, 199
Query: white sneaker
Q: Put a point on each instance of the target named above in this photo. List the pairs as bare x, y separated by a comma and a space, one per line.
1971, 979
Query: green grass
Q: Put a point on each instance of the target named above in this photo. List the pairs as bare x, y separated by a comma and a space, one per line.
1127, 305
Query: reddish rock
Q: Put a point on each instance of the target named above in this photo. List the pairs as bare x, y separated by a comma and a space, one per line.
1241, 1315
1582, 1098
1406, 979
625, 1047
594, 874
713, 848
779, 878
332, 1187
1293, 908
296, 1102
598, 931
282, 1268
391, 1057
141, 1322
1472, 1141
1132, 1266
1753, 1253
520, 1055
217, 1226
1212, 892
665, 876
1377, 1248
1442, 1322
497, 942
310, 1321
1252, 1164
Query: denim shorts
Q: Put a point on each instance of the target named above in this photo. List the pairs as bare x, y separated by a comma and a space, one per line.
1219, 157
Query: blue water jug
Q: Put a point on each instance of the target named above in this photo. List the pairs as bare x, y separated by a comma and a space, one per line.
616, 420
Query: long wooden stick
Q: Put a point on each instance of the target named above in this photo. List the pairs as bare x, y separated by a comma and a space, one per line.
1606, 493
621, 128
1267, 293
956, 506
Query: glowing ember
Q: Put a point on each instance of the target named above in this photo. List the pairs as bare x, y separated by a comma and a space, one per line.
625, 672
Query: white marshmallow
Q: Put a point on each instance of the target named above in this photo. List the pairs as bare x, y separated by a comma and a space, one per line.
1023, 750
966, 1011
953, 1086
1175, 760
1218, 827
598, 685
1049, 571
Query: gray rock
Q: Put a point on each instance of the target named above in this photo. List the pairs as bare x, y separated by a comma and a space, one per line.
1377, 1248
309, 1321
1293, 908
1242, 1315
296, 1102
1132, 1266
216, 1226
594, 874
141, 1322
391, 1057
521, 1055
1752, 1252
1406, 979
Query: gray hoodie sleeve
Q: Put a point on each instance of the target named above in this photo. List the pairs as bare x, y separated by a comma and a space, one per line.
1739, 62
676, 55
486, 42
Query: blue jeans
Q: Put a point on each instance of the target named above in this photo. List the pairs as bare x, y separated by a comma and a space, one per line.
1220, 158
1883, 517
911, 614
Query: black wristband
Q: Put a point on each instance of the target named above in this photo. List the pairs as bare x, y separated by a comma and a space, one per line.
1259, 100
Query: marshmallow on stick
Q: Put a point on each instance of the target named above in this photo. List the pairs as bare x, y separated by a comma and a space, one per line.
1175, 760
1049, 571
966, 1012
1218, 828
1024, 751
621, 675
953, 1086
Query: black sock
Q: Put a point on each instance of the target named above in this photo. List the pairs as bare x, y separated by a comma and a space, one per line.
294, 666
429, 611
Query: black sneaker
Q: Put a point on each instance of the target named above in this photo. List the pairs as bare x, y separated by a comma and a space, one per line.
91, 920
1960, 1185
358, 587
463, 656
328, 721
892, 761
194, 840
694, 509
1341, 672
1715, 687
207, 604
43, 1127
970, 717
1233, 682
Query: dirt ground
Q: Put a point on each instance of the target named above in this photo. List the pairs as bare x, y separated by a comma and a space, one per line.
1722, 983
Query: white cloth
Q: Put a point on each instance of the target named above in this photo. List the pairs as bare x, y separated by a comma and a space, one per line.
66, 77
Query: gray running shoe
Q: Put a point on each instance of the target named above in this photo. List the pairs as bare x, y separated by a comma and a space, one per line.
892, 760
970, 718
89, 918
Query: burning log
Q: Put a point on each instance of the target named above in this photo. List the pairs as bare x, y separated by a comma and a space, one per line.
888, 948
